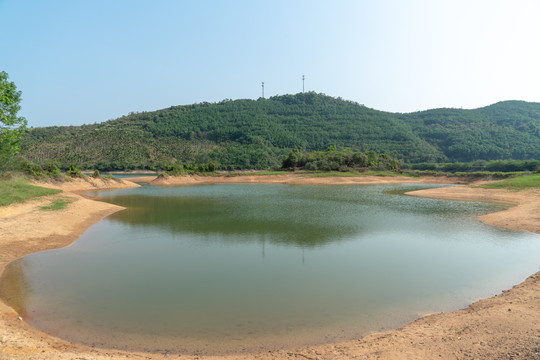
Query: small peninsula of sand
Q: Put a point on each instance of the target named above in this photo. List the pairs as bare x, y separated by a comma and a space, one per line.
506, 326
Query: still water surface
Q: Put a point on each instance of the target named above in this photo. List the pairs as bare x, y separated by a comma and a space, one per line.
244, 267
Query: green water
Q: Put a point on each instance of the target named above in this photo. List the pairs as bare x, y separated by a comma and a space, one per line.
225, 268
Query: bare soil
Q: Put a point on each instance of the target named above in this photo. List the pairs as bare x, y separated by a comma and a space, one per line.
506, 326
294, 178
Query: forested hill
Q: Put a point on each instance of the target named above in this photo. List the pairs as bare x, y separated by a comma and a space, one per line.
258, 133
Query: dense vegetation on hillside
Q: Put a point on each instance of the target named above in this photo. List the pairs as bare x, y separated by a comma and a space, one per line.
258, 134
479, 165
333, 159
506, 130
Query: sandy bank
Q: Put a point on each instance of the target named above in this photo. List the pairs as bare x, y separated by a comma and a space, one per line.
502, 327
294, 178
88, 184
525, 215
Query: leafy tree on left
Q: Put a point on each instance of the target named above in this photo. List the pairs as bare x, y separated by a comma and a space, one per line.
11, 125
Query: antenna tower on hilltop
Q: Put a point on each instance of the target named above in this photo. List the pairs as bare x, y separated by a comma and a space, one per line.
262, 84
303, 78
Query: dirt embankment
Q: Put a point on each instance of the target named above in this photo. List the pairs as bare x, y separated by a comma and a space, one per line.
295, 179
506, 326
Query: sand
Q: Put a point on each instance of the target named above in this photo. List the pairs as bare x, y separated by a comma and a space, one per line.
292, 179
506, 326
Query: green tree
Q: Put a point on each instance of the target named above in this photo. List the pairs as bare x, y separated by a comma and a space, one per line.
11, 125
291, 161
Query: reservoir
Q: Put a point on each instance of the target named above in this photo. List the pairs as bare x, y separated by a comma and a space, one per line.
216, 269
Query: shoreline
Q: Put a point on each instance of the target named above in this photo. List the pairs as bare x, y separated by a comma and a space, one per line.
501, 326
294, 179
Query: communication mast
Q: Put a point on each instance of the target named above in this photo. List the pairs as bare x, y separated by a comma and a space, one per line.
303, 78
262, 84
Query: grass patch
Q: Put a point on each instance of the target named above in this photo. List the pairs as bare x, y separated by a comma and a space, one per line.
57, 204
17, 190
525, 182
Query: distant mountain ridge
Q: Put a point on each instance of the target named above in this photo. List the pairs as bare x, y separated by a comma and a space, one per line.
256, 134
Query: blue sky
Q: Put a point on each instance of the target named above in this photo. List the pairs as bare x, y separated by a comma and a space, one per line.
82, 62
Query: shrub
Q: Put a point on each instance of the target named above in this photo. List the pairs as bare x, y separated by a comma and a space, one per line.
175, 169
74, 171
211, 167
312, 166
291, 161
51, 169
333, 159
31, 168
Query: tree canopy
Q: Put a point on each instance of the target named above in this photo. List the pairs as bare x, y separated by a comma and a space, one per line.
333, 159
258, 134
11, 125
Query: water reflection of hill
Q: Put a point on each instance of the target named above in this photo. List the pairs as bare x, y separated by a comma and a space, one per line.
291, 223
304, 216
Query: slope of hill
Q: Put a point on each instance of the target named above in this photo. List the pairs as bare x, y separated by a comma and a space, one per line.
505, 130
257, 134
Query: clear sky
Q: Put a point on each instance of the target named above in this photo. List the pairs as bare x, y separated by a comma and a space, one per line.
88, 61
